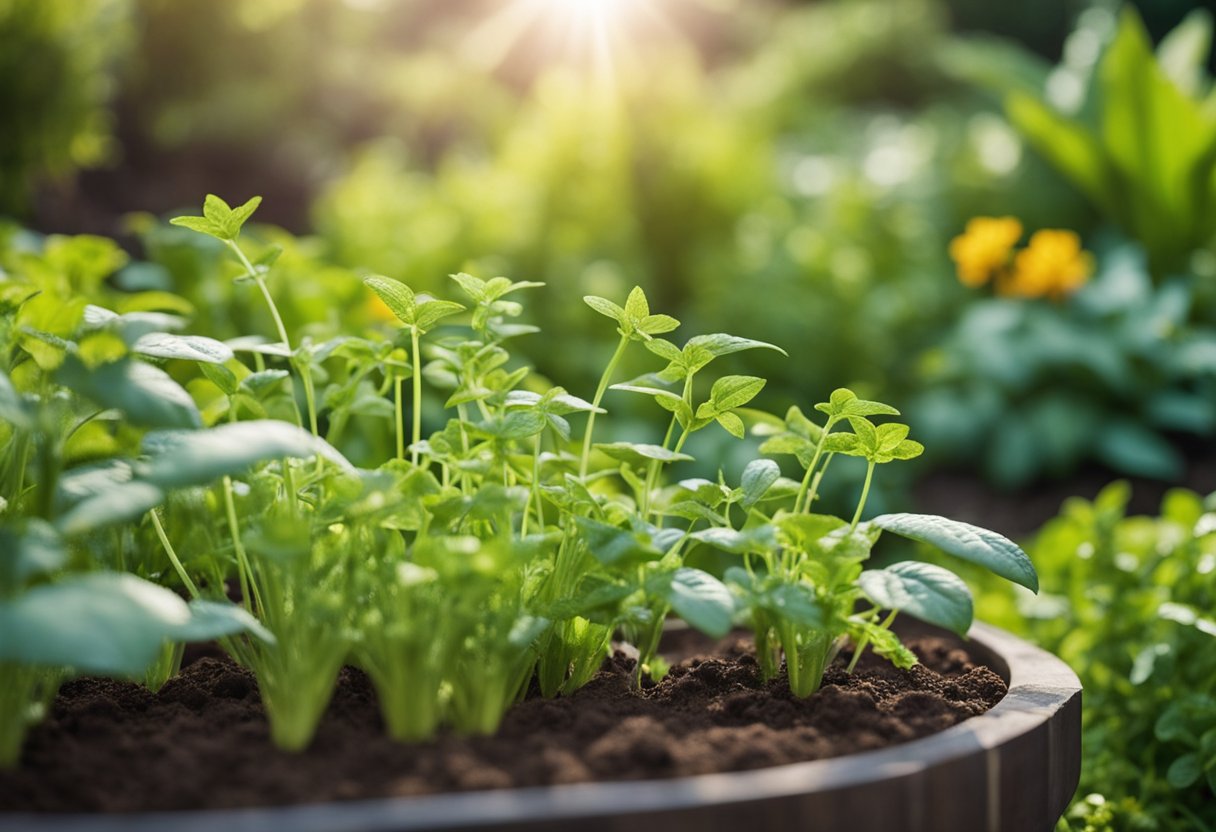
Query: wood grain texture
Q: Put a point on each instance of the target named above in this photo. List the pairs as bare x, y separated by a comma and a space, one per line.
1012, 769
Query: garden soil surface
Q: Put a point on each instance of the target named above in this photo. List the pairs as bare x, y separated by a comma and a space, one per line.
202, 740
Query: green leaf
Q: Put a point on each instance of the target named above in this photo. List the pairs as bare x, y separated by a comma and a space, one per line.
398, 297
431, 312
1185, 771
988, 549
758, 477
640, 453
201, 225
759, 539
732, 424
613, 546
31, 548
636, 307
119, 503
657, 324
146, 394
237, 218
701, 600
100, 622
262, 380
221, 377
718, 344
185, 347
210, 620
606, 308
795, 603
183, 458
12, 406
844, 403
730, 392
923, 590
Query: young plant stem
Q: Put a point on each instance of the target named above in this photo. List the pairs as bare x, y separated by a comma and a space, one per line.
801, 502
399, 422
249, 589
865, 492
536, 498
173, 559
416, 433
301, 369
605, 380
864, 641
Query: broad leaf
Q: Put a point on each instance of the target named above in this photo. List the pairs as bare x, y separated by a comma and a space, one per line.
990, 550
640, 453
100, 622
146, 394
702, 600
613, 546
182, 458
923, 590
186, 347
758, 477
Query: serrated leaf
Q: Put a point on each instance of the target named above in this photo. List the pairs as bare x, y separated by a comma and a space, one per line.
730, 392
606, 308
657, 324
923, 590
200, 224
988, 549
398, 297
432, 312
732, 424
636, 307
185, 347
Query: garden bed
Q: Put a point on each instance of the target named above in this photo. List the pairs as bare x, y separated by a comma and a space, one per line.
1013, 768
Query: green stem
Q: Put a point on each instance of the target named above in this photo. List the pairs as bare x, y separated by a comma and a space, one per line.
801, 501
605, 380
400, 418
173, 559
304, 372
249, 589
536, 498
864, 641
416, 434
810, 498
865, 492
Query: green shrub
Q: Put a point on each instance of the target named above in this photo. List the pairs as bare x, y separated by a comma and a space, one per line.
1127, 602
56, 80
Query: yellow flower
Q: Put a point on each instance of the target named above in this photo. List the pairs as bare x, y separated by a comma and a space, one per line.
982, 251
1053, 264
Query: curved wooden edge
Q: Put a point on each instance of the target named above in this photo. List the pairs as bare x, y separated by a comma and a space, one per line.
1023, 756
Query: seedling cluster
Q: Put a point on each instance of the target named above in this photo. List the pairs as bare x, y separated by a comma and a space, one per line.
504, 547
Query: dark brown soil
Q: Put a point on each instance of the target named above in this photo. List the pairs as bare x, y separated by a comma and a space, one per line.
202, 741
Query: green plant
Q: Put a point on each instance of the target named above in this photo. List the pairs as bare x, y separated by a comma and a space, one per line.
1132, 130
490, 545
1127, 603
1033, 389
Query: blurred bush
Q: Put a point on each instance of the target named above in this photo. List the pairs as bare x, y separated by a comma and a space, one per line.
56, 63
1127, 602
1131, 128
1030, 388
